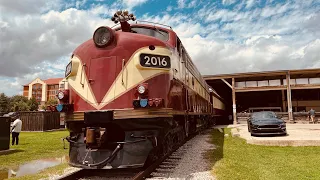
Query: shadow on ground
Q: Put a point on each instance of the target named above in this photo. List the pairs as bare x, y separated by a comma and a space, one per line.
11, 151
217, 139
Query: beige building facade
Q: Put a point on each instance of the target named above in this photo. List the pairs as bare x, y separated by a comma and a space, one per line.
44, 90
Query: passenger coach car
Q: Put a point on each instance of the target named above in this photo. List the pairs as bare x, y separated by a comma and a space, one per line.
266, 123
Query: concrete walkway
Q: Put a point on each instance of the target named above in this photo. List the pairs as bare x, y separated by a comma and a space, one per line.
298, 135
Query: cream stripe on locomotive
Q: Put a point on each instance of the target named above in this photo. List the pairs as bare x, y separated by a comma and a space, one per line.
132, 74
80, 83
137, 74
180, 75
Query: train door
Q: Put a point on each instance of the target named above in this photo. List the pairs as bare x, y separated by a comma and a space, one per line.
100, 81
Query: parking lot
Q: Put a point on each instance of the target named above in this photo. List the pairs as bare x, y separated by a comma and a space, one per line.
298, 135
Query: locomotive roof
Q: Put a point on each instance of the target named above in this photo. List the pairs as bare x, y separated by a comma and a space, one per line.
148, 26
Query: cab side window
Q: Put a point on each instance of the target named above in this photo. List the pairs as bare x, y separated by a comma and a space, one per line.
179, 46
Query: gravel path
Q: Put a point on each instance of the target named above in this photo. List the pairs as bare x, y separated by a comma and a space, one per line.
193, 164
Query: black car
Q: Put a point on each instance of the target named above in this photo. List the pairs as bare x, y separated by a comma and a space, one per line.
266, 123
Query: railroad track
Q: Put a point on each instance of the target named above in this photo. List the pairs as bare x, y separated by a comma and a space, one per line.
159, 169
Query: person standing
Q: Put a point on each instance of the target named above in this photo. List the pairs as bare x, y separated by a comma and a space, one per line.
16, 129
312, 114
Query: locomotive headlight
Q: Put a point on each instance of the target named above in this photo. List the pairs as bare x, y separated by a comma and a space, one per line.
103, 36
141, 89
60, 95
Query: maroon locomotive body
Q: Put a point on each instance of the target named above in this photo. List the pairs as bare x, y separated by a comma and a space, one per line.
133, 94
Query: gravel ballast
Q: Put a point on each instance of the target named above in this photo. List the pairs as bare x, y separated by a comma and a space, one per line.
193, 164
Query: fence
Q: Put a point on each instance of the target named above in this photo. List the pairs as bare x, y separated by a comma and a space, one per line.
40, 121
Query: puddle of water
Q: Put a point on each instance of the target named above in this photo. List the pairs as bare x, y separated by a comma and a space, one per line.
32, 167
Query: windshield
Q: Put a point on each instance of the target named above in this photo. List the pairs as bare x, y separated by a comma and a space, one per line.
263, 115
162, 35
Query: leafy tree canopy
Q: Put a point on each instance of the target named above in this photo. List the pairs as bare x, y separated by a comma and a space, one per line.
17, 103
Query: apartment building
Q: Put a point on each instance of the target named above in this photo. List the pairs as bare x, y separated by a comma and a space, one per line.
43, 90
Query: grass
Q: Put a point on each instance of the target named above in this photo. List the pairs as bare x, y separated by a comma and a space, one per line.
33, 146
235, 159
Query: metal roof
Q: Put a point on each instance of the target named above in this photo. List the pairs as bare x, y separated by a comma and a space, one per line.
300, 72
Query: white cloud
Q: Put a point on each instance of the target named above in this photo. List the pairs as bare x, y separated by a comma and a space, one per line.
187, 4
44, 38
282, 36
80, 3
181, 3
28, 6
169, 8
268, 38
228, 2
250, 3
132, 3
39, 45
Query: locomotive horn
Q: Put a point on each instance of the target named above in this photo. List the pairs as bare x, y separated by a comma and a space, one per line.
123, 17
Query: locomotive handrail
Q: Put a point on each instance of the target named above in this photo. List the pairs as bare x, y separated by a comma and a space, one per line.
153, 23
122, 71
81, 74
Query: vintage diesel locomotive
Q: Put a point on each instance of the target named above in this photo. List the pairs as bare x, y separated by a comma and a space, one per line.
133, 94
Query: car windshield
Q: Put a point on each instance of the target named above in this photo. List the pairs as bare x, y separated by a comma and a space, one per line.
263, 115
160, 34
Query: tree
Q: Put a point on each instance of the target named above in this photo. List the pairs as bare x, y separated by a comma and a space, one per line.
43, 107
51, 102
19, 103
21, 106
33, 104
4, 103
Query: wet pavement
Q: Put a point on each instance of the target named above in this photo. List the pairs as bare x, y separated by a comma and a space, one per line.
32, 167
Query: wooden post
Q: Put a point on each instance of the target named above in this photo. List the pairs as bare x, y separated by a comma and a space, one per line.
234, 108
290, 117
283, 101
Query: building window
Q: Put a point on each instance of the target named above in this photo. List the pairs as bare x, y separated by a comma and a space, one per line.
61, 86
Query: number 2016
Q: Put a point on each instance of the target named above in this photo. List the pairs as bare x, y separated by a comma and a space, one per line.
155, 61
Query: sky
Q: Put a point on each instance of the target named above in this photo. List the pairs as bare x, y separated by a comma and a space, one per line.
37, 37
